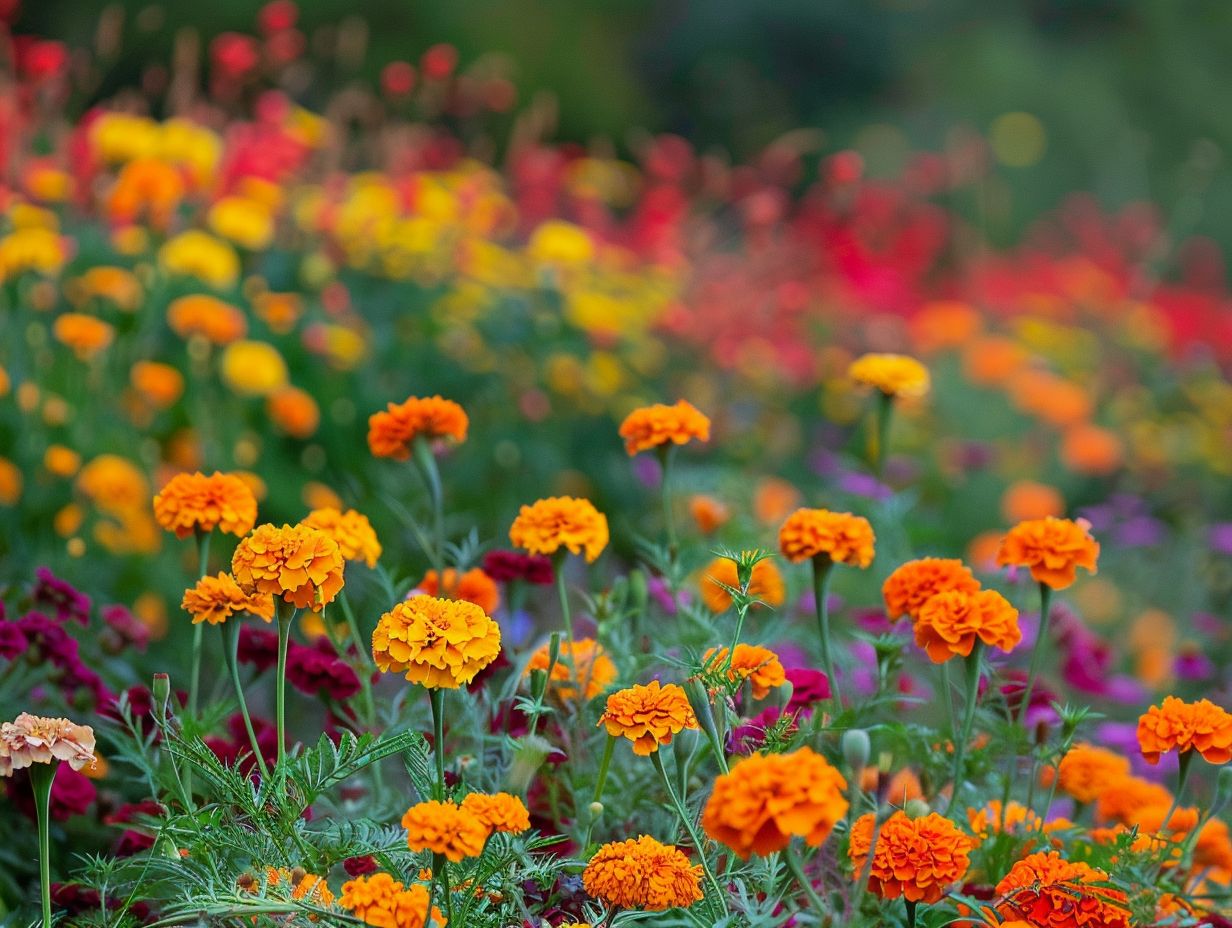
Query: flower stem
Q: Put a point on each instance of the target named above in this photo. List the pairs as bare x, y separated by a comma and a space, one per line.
203, 560
1037, 652
440, 867
690, 828
667, 454
970, 698
41, 777
885, 410
823, 567
558, 572
425, 460
437, 699
796, 866
230, 647
911, 907
603, 767
285, 616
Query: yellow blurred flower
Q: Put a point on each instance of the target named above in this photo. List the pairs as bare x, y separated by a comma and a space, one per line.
198, 254
252, 368
242, 221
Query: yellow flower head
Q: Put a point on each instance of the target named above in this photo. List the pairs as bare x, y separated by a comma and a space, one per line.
438, 643
892, 374
351, 531
560, 521
649, 716
295, 563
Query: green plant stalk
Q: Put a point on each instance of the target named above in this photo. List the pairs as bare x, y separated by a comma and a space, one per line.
823, 568
1037, 652
558, 575
440, 870
885, 411
230, 647
603, 767
911, 907
667, 454
425, 460
203, 560
796, 866
41, 778
970, 697
690, 828
285, 617
436, 698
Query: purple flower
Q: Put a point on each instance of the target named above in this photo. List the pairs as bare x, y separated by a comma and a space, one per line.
60, 597
13, 642
1192, 664
807, 687
1220, 537
864, 485
129, 630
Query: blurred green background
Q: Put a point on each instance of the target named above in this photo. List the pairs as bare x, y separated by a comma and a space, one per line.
1130, 95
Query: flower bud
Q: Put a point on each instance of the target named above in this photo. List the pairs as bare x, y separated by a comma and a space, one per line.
639, 593
1223, 789
856, 748
160, 689
538, 683
916, 808
528, 757
699, 701
596, 811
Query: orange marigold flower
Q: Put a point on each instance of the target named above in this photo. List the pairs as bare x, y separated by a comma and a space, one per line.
916, 858
391, 432
648, 715
661, 425
302, 885
994, 818
583, 661
33, 739
709, 513
767, 799
914, 583
498, 811
1176, 725
159, 384
216, 599
1052, 548
350, 530
196, 503
949, 624
844, 538
1086, 771
85, 335
1047, 889
892, 374
300, 565
381, 900
760, 666
560, 522
211, 318
1122, 798
444, 828
438, 643
474, 586
641, 873
294, 411
765, 583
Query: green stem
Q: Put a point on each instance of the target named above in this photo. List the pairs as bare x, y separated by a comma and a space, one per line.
885, 409
285, 617
230, 647
364, 647
796, 866
426, 462
911, 907
41, 778
558, 571
1037, 652
970, 698
667, 454
603, 767
689, 827
437, 699
440, 867
948, 690
823, 568
203, 558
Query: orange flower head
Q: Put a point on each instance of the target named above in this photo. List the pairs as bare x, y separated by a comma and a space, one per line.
760, 666
299, 885
381, 900
216, 599
1089, 449
85, 335
994, 818
444, 828
1053, 549
767, 799
1122, 799
949, 624
1087, 771
196, 503
437, 643
648, 716
661, 425
641, 873
914, 583
474, 586
1028, 499
213, 319
765, 583
159, 384
33, 739
560, 522
709, 513
916, 858
840, 536
295, 563
293, 411
392, 431
892, 374
351, 532
498, 812
1176, 725
1046, 889
584, 661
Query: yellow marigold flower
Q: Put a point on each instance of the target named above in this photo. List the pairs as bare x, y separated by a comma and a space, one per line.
32, 739
892, 374
160, 385
767, 799
648, 716
844, 538
474, 586
1176, 725
583, 661
914, 583
916, 858
253, 368
114, 484
559, 242
949, 624
381, 900
1086, 771
213, 319
113, 284
39, 250
498, 811
85, 335
216, 599
196, 503
560, 521
351, 531
438, 643
760, 666
197, 254
392, 431
245, 222
1052, 548
295, 563
641, 873
661, 425
444, 828
765, 583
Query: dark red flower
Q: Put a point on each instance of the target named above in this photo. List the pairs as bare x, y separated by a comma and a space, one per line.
72, 793
504, 566
319, 670
258, 646
439, 61
360, 866
398, 78
59, 598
